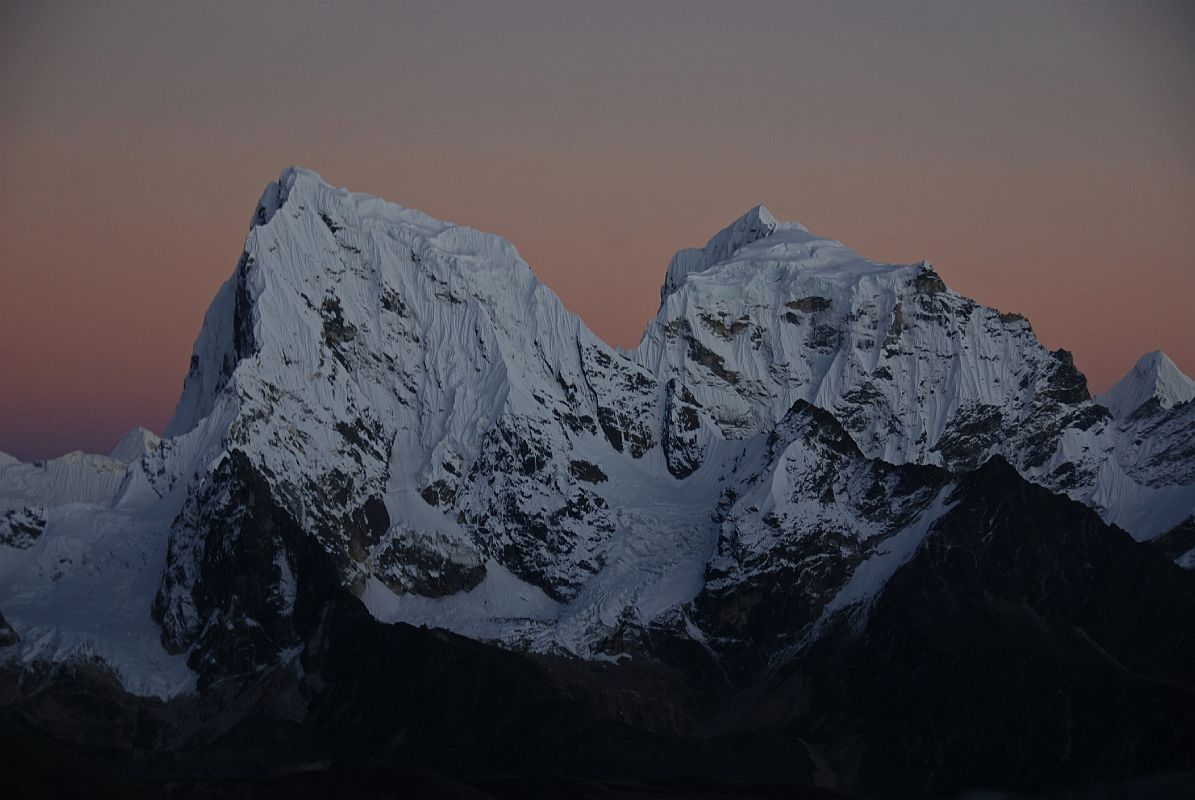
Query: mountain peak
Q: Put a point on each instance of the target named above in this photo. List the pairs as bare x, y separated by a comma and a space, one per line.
758, 214
135, 444
758, 223
1153, 377
277, 192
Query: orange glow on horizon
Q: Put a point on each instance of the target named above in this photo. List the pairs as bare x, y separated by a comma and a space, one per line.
1042, 157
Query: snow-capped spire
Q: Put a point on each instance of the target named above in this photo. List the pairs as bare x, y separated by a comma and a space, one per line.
756, 224
1154, 377
277, 192
135, 444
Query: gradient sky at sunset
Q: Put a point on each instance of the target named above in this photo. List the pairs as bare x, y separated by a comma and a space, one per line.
1042, 155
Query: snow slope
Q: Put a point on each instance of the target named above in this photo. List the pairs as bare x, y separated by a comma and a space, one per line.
399, 401
82, 551
1153, 377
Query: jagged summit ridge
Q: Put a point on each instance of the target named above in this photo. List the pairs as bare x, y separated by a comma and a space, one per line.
400, 402
1153, 377
317, 218
416, 379
419, 402
756, 224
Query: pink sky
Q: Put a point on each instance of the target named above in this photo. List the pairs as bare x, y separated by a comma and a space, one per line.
1041, 155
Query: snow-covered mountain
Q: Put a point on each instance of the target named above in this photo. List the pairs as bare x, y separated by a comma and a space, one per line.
28, 492
401, 401
768, 314
135, 444
1153, 378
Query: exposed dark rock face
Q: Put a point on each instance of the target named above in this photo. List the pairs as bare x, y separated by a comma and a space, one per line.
543, 543
725, 329
1178, 541
700, 354
928, 281
1163, 444
586, 471
628, 425
775, 572
8, 637
237, 617
973, 433
683, 449
426, 564
810, 305
1066, 384
21, 527
244, 342
1025, 646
